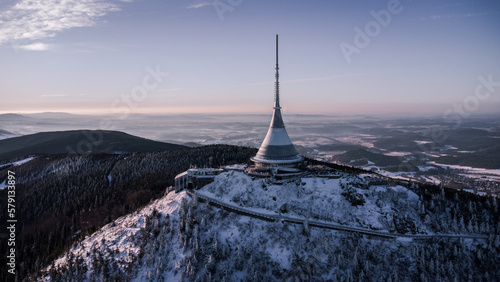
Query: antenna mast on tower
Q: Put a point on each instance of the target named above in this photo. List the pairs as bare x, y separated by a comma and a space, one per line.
277, 83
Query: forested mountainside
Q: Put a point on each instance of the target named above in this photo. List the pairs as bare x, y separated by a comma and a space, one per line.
64, 202
62, 198
179, 238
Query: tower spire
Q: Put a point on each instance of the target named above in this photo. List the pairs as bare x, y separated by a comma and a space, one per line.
277, 149
277, 83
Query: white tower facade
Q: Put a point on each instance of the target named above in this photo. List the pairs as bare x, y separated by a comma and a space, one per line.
277, 148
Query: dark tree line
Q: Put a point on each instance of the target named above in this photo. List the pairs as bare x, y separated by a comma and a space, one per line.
61, 199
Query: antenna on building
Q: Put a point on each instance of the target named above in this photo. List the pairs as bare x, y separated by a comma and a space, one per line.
277, 83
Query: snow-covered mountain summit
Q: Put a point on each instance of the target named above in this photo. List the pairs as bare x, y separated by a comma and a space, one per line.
356, 200
181, 238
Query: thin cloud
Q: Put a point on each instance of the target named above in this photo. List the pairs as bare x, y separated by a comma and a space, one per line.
34, 20
168, 90
61, 95
325, 77
38, 46
455, 16
321, 78
199, 5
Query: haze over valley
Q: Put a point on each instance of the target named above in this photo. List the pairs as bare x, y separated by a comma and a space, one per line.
428, 149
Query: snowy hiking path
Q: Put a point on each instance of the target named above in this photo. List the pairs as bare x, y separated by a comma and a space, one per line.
326, 225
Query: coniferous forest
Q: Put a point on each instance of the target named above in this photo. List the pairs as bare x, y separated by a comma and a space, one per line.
61, 198
199, 242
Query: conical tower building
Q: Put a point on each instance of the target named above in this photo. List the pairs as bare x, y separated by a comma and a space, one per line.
277, 149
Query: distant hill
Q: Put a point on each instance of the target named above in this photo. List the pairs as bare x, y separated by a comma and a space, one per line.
10, 117
192, 144
5, 132
487, 158
52, 115
467, 133
364, 155
79, 142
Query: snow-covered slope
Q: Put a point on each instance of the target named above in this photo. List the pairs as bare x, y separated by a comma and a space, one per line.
119, 243
177, 238
355, 200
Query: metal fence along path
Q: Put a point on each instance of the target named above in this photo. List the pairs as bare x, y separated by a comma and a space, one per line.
315, 223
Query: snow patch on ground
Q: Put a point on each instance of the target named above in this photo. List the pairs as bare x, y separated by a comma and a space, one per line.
18, 163
176, 238
280, 255
121, 236
397, 154
319, 198
4, 184
426, 167
471, 169
473, 172
110, 178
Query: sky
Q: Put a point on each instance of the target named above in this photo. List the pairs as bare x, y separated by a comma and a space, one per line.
217, 56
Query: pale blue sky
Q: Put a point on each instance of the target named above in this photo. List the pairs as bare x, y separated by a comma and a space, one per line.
82, 56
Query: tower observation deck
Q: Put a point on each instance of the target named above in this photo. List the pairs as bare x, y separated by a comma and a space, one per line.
277, 149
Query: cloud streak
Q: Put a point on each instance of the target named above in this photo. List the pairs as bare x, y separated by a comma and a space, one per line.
321, 78
455, 16
199, 5
61, 95
325, 77
37, 46
167, 90
34, 20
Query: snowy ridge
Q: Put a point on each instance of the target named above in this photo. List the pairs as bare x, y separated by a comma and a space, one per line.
121, 237
321, 199
267, 215
178, 238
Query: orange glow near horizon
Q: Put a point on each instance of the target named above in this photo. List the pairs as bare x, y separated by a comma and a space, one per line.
413, 109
